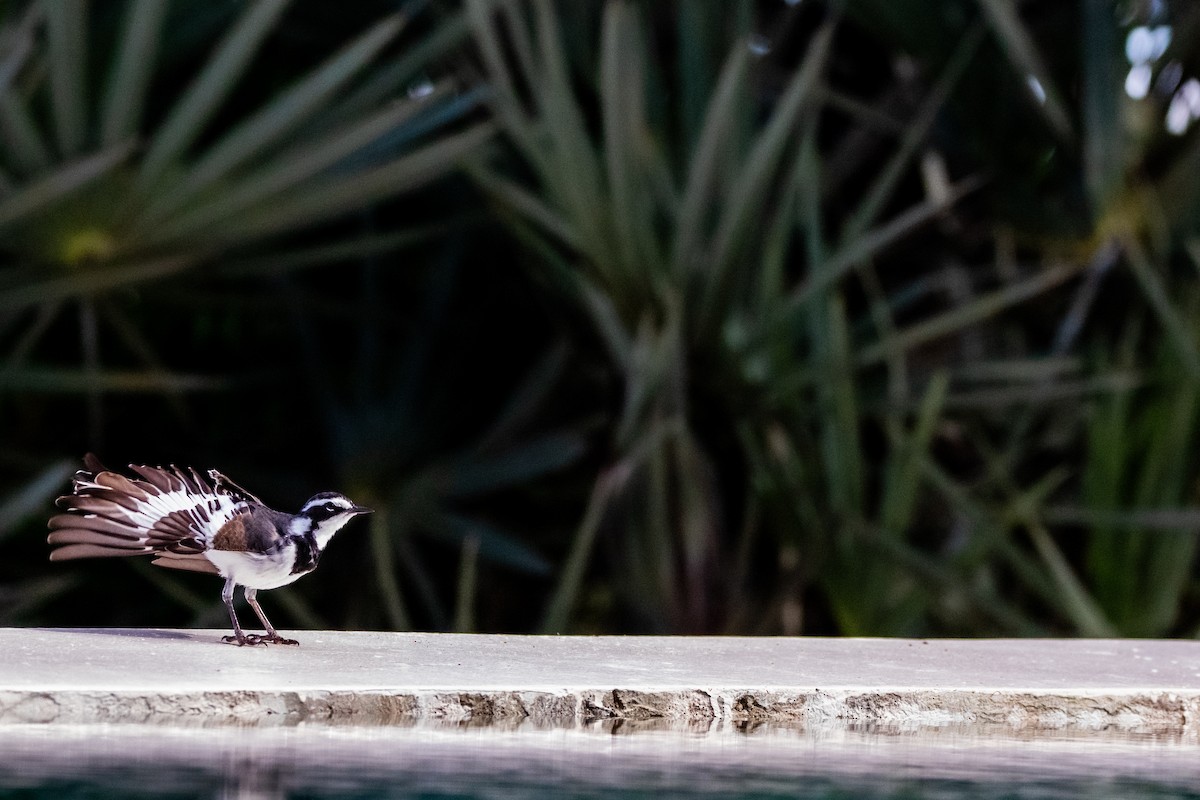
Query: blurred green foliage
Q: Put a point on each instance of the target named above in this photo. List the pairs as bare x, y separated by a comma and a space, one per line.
872, 317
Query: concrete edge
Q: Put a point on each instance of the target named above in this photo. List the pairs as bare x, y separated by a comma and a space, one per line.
1174, 715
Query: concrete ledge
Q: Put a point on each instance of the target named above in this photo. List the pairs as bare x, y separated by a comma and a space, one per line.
534, 683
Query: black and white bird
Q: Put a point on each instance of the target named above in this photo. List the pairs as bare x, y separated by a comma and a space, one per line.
184, 521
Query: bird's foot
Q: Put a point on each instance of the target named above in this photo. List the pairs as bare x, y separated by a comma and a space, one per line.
275, 638
242, 639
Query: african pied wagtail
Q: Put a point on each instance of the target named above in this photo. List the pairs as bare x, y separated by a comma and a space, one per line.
186, 522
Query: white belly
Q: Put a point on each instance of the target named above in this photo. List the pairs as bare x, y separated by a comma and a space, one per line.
254, 570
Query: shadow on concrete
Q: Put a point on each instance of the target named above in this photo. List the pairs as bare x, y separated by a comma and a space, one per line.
130, 633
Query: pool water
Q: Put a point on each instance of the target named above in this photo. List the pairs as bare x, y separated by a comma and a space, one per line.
100, 761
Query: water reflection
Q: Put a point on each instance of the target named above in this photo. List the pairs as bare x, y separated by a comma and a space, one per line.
603, 761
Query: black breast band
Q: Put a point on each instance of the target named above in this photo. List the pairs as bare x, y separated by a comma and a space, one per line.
307, 553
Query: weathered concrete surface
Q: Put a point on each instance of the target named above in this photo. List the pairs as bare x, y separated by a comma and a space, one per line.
181, 677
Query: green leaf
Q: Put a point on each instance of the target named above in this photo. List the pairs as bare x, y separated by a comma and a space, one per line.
852, 253
36, 290
266, 126
383, 560
757, 174
840, 440
338, 196
34, 496
578, 177
225, 66
69, 381
1023, 53
527, 400
495, 545
507, 107
36, 197
1042, 392
698, 525
1104, 158
607, 322
284, 172
525, 203
26, 596
959, 318
66, 36
477, 473
1035, 369
1079, 604
902, 474
1160, 520
914, 135
24, 148
465, 597
702, 30
20, 46
125, 94
570, 576
397, 77
699, 195
624, 119
1157, 296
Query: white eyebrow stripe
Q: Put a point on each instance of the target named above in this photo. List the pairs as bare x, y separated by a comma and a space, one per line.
341, 502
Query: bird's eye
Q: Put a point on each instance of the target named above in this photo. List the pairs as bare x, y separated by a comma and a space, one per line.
330, 507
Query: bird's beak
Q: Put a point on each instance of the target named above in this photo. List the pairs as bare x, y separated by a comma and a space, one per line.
361, 510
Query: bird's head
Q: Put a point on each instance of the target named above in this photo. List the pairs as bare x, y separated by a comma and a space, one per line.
329, 511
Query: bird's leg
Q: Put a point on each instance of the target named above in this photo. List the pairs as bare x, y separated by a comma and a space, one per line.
272, 634
239, 637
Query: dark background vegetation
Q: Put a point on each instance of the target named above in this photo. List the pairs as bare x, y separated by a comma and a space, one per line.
862, 318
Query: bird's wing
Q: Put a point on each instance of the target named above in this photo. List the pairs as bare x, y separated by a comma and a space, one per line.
222, 483
163, 511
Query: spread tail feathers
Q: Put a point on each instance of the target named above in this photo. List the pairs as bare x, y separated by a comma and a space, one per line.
164, 511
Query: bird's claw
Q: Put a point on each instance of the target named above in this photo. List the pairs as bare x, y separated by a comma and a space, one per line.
244, 639
254, 639
277, 639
